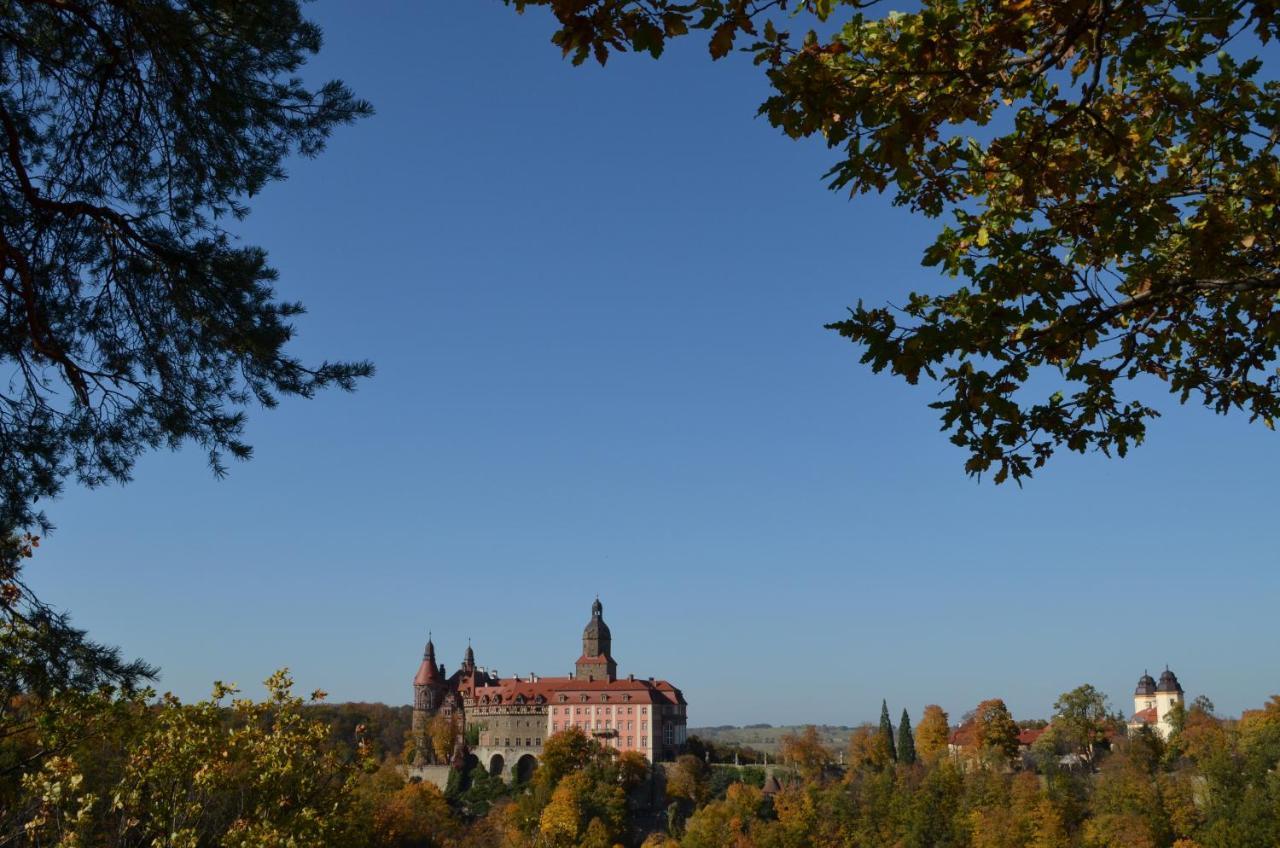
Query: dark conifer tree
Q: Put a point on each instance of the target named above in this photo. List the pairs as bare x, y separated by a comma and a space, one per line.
906, 741
886, 731
131, 135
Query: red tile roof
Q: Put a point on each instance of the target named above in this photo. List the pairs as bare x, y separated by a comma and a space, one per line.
550, 688
1147, 716
966, 735
1029, 735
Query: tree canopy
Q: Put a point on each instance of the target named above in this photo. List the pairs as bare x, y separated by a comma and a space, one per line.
1107, 175
932, 733
130, 133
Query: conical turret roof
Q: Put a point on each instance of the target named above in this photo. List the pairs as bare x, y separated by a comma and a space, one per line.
428, 672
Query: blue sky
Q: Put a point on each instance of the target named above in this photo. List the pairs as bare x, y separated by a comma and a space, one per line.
595, 299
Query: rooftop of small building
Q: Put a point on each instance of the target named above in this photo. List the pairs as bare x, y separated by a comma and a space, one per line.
1147, 716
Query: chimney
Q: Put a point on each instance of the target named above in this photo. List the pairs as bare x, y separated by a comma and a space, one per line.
631, 677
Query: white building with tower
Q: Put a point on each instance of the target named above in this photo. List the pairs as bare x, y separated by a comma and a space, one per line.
1152, 703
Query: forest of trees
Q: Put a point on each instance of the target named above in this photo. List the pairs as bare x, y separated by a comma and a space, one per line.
129, 769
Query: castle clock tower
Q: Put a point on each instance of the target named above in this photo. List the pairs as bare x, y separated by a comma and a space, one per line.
596, 662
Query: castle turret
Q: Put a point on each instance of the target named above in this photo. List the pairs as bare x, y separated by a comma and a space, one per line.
429, 690
596, 662
1168, 693
429, 681
1144, 696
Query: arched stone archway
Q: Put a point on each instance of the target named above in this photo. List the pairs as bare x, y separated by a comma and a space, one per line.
525, 767
496, 765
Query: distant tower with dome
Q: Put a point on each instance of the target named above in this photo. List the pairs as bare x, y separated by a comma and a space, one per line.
1153, 702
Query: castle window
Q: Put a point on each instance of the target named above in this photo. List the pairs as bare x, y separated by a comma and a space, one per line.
629, 742
537, 742
644, 741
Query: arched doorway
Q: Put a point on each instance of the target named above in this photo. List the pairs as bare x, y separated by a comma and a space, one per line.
525, 766
496, 765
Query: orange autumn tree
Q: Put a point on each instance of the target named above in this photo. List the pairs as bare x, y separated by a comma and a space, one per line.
932, 733
805, 751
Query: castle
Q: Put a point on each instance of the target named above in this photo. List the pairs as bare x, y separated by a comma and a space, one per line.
508, 719
1152, 703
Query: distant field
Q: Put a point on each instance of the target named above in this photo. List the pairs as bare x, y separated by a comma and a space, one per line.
766, 738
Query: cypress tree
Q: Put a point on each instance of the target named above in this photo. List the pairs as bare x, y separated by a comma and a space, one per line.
886, 731
906, 742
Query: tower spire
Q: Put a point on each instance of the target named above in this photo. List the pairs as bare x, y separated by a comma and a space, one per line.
596, 662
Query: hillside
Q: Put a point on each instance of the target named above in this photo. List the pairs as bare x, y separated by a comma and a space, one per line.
766, 738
